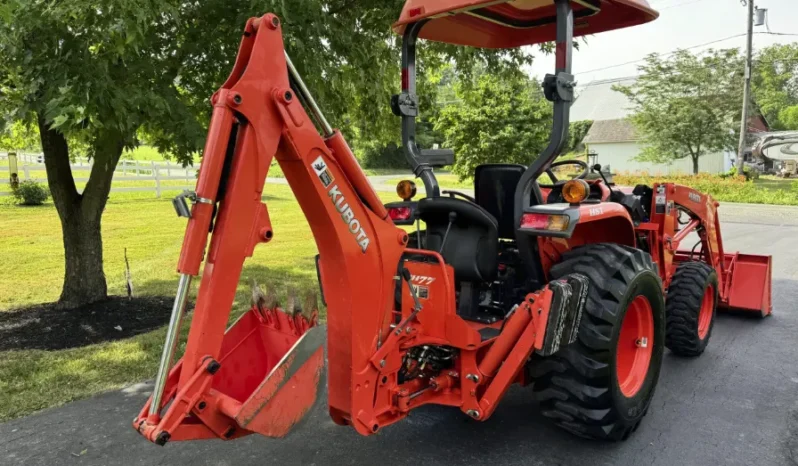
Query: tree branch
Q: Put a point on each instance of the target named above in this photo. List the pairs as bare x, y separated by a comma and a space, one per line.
107, 150
59, 172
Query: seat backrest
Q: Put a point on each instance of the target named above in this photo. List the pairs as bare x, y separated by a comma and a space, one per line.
494, 191
472, 245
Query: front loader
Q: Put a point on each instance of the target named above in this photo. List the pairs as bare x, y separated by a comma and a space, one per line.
575, 287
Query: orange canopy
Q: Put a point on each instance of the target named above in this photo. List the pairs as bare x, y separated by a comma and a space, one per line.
504, 24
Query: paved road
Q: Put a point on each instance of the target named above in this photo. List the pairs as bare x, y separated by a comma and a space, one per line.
730, 212
735, 405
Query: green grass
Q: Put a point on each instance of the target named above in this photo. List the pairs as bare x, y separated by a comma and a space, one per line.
773, 183
32, 257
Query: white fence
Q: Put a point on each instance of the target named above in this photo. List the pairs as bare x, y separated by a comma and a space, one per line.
126, 170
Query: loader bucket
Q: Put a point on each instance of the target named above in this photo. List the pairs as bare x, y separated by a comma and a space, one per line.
749, 283
270, 373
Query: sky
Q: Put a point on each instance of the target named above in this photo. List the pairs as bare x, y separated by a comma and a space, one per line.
681, 24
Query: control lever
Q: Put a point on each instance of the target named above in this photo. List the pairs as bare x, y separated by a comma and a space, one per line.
405, 274
597, 168
452, 218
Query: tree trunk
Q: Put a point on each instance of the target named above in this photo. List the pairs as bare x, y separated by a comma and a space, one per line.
80, 214
695, 165
84, 279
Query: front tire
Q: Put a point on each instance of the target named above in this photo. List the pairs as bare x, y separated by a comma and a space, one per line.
691, 305
601, 386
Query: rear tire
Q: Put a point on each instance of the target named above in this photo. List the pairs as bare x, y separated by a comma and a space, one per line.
690, 310
583, 387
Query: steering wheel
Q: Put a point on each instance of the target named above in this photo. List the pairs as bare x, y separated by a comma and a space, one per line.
585, 171
458, 193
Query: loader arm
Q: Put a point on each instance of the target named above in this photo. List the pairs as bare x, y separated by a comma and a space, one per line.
744, 279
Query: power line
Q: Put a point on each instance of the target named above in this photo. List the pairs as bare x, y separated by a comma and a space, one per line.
690, 2
664, 55
632, 62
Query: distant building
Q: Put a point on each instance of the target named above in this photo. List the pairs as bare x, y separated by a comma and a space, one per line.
615, 141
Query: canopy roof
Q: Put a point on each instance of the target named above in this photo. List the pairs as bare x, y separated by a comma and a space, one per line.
505, 24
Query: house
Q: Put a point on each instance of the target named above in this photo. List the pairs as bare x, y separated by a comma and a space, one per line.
615, 142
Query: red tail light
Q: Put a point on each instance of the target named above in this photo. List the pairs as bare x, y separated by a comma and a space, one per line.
553, 222
399, 213
534, 221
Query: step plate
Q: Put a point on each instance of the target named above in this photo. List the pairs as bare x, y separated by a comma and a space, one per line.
565, 312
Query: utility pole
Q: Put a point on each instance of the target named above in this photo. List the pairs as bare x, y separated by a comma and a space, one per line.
747, 88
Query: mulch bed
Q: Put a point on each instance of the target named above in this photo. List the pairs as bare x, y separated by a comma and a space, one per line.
43, 327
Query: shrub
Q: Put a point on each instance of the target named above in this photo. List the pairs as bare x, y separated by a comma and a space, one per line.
31, 193
750, 174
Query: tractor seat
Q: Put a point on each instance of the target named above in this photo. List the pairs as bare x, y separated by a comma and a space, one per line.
494, 191
472, 245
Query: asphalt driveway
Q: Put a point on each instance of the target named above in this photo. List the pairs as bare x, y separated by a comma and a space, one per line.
735, 405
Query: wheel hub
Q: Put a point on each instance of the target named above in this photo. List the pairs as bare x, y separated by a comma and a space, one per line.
633, 353
705, 314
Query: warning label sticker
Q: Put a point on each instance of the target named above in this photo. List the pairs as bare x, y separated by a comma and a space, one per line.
320, 167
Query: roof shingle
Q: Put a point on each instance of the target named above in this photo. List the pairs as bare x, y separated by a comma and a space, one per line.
620, 130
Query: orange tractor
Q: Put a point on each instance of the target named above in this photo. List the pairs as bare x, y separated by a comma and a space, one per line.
575, 288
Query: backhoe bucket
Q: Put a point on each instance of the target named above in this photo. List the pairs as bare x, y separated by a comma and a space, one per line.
269, 374
273, 376
749, 283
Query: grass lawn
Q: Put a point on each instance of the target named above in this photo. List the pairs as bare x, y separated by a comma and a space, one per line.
773, 183
32, 258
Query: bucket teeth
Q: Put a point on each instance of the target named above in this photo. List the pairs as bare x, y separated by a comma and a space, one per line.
291, 303
263, 300
310, 305
258, 297
270, 300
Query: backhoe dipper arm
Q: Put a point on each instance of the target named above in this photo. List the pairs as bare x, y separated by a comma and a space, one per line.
257, 117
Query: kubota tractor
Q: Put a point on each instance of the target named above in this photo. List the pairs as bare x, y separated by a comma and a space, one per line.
574, 287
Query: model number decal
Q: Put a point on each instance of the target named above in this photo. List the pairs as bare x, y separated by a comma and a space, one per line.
695, 197
596, 211
422, 280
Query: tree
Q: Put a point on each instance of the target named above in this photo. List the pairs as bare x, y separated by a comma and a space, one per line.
19, 136
576, 134
498, 119
775, 85
686, 105
99, 72
91, 72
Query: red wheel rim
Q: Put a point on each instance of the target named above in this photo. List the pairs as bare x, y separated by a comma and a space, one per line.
635, 345
705, 315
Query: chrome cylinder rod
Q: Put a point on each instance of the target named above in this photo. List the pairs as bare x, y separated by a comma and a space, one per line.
314, 107
172, 335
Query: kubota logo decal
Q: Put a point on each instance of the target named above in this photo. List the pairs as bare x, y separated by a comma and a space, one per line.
338, 200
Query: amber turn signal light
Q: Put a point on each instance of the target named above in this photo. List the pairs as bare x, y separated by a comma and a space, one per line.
406, 189
575, 191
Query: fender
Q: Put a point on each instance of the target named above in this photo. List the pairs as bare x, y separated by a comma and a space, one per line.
588, 223
605, 222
